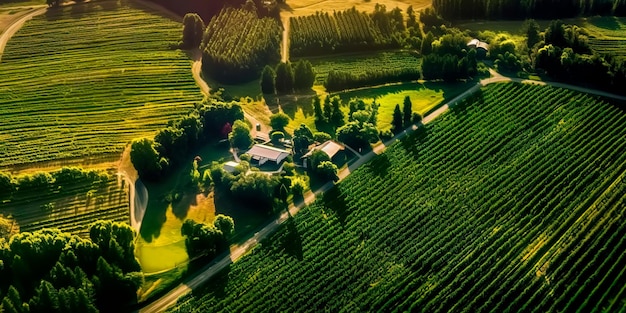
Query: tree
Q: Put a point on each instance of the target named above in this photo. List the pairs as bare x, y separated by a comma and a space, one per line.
317, 157
321, 137
337, 117
267, 80
427, 43
533, 36
327, 169
358, 135
279, 120
7, 186
193, 30
240, 136
145, 159
304, 75
328, 109
397, 122
225, 224
317, 109
302, 138
407, 110
250, 6
284, 78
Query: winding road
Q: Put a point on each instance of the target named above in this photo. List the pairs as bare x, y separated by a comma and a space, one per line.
11, 30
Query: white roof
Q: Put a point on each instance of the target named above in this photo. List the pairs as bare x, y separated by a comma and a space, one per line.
262, 151
230, 166
330, 147
473, 42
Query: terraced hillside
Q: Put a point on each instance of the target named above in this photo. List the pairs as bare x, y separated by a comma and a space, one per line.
85, 79
512, 201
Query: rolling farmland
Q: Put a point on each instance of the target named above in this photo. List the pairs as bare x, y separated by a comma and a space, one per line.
514, 200
84, 80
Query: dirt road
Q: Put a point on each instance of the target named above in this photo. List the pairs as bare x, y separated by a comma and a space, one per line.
11, 30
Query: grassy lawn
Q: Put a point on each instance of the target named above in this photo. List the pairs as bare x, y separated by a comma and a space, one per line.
84, 80
424, 97
359, 63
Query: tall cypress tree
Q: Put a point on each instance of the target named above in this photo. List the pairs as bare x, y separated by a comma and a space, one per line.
396, 123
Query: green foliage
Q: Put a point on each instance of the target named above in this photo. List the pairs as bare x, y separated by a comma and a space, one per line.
267, 80
337, 80
343, 31
358, 135
203, 239
513, 9
240, 137
51, 271
145, 158
193, 29
328, 170
304, 75
299, 184
407, 109
284, 80
302, 138
321, 137
277, 136
337, 118
317, 108
532, 31
255, 188
396, 124
279, 120
225, 224
237, 45
393, 227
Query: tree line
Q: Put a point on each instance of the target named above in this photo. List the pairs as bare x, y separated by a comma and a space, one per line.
514, 9
208, 9
287, 78
44, 183
51, 271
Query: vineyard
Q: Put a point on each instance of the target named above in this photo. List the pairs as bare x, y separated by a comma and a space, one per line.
86, 79
237, 44
612, 46
71, 207
342, 31
358, 64
513, 201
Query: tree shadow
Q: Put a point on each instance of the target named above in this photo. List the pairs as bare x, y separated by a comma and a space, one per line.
154, 217
216, 286
412, 142
380, 165
291, 241
605, 22
336, 201
181, 207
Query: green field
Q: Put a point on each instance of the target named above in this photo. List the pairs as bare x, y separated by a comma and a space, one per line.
424, 97
362, 62
72, 207
513, 201
84, 80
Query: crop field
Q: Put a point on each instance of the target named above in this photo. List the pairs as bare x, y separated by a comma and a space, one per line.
85, 80
512, 201
361, 63
613, 46
308, 7
71, 208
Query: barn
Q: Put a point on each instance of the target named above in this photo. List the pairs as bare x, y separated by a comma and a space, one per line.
263, 153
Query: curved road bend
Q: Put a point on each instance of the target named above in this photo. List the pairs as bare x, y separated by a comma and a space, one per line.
11, 30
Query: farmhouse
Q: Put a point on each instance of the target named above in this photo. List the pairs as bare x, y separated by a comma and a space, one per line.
481, 47
262, 153
330, 147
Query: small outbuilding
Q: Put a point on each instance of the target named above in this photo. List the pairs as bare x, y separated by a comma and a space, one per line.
330, 147
263, 153
481, 47
230, 166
